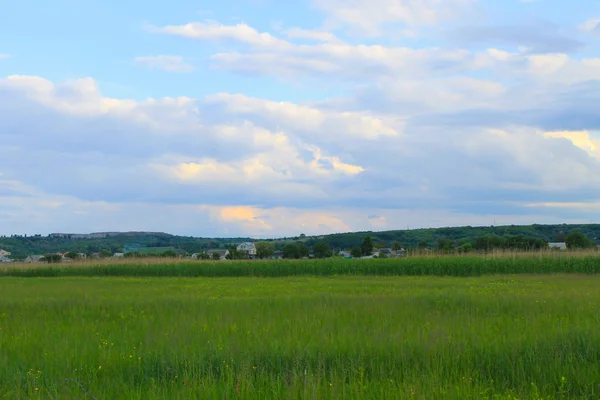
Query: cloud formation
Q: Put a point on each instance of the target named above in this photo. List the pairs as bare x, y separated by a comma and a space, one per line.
494, 123
165, 63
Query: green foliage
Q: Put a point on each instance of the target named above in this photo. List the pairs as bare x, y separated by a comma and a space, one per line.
577, 240
356, 252
365, 338
264, 249
216, 256
303, 250
291, 251
471, 265
157, 243
169, 253
366, 247
488, 243
465, 248
322, 250
445, 244
521, 242
52, 258
397, 246
72, 255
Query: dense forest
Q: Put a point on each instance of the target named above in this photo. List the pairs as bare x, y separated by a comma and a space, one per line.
155, 243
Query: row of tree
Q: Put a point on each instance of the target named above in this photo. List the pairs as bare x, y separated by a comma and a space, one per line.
574, 240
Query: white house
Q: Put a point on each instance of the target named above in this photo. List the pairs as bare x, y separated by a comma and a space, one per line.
118, 255
557, 246
222, 253
247, 247
33, 259
345, 254
5, 259
4, 253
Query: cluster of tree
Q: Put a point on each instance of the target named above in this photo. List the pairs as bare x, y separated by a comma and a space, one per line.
296, 251
480, 238
365, 248
574, 240
577, 240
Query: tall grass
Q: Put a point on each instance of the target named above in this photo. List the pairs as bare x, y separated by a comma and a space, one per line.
501, 263
300, 338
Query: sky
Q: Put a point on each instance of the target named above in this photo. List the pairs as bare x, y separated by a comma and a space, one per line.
264, 118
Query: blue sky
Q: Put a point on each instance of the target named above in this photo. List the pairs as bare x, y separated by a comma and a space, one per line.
267, 118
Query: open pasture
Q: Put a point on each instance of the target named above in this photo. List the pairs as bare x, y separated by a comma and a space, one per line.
342, 337
436, 265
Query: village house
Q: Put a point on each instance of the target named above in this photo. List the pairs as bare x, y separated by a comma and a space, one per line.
398, 253
345, 254
222, 253
557, 246
118, 255
5, 253
5, 259
34, 259
385, 252
247, 247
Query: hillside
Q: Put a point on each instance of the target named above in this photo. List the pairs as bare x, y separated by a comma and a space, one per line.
111, 242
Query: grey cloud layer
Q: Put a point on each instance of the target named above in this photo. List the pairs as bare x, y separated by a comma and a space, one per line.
421, 136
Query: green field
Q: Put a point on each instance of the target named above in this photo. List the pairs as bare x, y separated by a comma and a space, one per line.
342, 337
473, 265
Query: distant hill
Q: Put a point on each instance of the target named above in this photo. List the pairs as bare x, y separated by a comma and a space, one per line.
152, 242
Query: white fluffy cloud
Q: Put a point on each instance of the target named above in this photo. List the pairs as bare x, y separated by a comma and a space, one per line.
498, 127
368, 16
165, 63
591, 25
250, 166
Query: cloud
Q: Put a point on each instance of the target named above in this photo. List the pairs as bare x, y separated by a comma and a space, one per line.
368, 16
165, 63
581, 139
269, 55
311, 34
536, 38
234, 151
212, 30
591, 25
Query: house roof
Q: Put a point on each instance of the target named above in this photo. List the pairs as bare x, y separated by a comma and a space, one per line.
557, 245
218, 251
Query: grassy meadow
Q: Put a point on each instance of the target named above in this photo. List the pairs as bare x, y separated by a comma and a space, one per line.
300, 337
435, 265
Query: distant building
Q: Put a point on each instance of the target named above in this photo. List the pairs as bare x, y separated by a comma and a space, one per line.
5, 259
34, 259
247, 247
278, 255
222, 253
118, 255
398, 253
345, 254
4, 253
557, 246
386, 252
